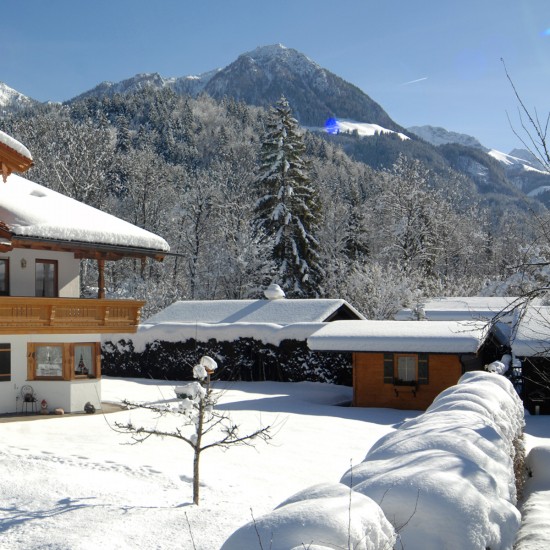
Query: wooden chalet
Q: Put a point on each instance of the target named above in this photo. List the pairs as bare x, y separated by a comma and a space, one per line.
404, 364
49, 336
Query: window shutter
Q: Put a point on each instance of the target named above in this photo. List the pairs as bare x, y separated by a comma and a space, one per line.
388, 368
423, 368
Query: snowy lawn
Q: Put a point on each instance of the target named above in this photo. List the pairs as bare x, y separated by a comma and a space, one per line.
72, 483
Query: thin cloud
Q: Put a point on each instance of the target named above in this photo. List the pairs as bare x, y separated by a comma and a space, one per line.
414, 81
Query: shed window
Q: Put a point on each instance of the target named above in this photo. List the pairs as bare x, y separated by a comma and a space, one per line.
406, 368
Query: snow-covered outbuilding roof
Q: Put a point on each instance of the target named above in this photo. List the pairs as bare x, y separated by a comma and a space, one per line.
30, 212
459, 308
280, 312
400, 336
532, 333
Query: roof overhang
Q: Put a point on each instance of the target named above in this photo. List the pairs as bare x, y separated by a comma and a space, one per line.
12, 161
80, 249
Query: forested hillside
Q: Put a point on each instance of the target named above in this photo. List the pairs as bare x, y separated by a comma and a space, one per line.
189, 170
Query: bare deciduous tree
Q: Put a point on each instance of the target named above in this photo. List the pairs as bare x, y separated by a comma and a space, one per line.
199, 424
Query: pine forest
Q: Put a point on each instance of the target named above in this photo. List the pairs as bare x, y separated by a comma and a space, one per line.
246, 197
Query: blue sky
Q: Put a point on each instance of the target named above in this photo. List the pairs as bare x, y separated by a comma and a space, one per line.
425, 61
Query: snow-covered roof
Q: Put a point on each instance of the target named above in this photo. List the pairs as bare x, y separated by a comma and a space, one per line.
459, 308
31, 210
15, 145
532, 336
400, 336
280, 312
268, 333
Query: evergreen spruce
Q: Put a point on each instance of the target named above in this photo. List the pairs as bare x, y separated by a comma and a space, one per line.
286, 214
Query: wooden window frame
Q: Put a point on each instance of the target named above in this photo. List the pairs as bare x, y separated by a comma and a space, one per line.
68, 361
391, 373
6, 262
55, 263
96, 360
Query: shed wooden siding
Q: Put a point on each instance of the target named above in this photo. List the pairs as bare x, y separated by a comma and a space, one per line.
369, 389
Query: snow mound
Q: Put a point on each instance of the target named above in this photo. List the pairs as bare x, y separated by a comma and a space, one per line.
321, 517
537, 463
534, 533
451, 467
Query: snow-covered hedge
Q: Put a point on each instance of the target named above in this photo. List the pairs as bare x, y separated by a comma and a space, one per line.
322, 517
246, 359
446, 478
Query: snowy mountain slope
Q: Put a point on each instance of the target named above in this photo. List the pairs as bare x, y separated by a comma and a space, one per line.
186, 85
12, 100
520, 167
260, 77
440, 136
362, 128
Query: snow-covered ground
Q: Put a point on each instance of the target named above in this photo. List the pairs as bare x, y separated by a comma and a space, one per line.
74, 483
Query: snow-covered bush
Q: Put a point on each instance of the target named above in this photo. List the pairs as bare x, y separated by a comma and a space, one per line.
446, 478
321, 517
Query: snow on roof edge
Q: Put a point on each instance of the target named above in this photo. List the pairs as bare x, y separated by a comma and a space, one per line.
400, 336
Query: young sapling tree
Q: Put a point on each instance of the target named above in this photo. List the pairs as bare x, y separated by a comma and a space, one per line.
198, 422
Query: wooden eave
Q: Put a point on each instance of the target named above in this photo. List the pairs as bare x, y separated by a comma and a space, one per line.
12, 161
81, 250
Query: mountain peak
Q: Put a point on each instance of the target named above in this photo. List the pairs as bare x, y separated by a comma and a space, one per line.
280, 53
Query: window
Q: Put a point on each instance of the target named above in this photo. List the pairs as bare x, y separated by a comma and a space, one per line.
49, 362
46, 278
5, 362
406, 368
4, 277
84, 360
63, 361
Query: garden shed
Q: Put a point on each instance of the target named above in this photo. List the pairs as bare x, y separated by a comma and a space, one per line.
405, 364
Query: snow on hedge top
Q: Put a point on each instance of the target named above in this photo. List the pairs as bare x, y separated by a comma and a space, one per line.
31, 210
532, 335
321, 517
15, 145
279, 312
452, 467
400, 336
458, 308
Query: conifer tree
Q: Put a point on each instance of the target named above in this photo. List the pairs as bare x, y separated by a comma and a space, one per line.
286, 213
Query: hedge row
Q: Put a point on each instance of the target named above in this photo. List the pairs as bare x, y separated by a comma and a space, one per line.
244, 359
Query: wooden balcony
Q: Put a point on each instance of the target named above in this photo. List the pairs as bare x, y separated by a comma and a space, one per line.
30, 315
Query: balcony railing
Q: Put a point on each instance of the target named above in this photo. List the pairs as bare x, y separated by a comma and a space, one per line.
24, 315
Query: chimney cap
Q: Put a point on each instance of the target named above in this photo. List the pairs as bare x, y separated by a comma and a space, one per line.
274, 292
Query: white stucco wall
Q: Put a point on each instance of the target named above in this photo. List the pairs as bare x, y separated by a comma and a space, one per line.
22, 279
68, 395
